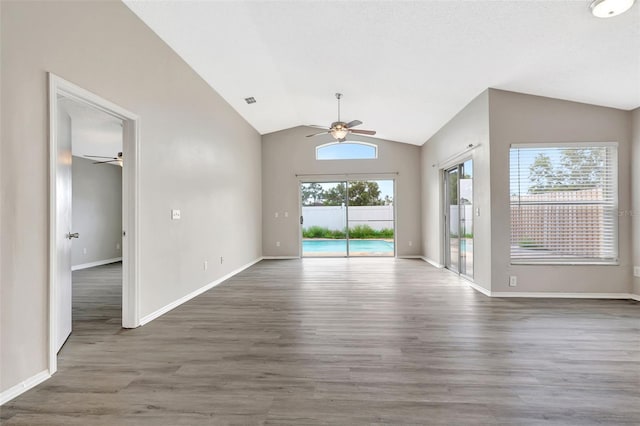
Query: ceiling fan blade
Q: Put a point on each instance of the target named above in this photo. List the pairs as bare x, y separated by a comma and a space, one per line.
99, 156
317, 127
353, 123
316, 134
103, 162
363, 132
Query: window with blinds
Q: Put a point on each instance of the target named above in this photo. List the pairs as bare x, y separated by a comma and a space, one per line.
564, 203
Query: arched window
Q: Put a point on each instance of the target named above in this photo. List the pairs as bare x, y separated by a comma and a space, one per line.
347, 151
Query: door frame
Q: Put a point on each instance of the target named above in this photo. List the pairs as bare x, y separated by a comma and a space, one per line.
130, 207
447, 218
346, 178
455, 163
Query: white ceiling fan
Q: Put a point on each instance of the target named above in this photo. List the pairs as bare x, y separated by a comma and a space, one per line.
339, 129
117, 159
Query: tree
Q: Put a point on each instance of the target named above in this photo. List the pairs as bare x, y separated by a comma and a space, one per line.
542, 175
583, 167
361, 193
335, 196
578, 168
312, 194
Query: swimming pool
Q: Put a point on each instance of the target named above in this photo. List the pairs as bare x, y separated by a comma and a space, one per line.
321, 247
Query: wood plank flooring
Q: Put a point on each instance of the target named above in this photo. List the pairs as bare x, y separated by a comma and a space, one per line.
342, 341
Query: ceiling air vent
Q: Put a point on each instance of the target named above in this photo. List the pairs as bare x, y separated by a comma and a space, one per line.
250, 100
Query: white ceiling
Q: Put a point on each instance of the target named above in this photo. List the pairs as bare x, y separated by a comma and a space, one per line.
405, 67
94, 132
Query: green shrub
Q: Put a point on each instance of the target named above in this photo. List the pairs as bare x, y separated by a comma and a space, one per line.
361, 231
338, 235
386, 233
358, 231
314, 232
529, 243
321, 232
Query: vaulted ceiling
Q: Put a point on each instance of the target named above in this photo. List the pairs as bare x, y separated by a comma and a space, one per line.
405, 67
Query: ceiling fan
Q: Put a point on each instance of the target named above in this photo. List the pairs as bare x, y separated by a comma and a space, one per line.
339, 129
116, 159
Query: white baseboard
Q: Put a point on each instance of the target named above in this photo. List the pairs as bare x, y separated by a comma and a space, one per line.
432, 262
23, 386
480, 289
634, 297
553, 295
96, 263
279, 257
146, 319
410, 256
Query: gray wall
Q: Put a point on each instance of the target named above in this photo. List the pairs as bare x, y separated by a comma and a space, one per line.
288, 152
469, 126
635, 188
196, 155
97, 211
519, 118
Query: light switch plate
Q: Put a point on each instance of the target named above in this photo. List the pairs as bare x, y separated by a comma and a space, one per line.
636, 271
175, 214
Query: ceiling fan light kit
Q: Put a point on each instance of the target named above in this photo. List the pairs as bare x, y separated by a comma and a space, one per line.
116, 159
339, 130
610, 8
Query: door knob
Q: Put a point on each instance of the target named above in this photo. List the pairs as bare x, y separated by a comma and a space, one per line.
74, 235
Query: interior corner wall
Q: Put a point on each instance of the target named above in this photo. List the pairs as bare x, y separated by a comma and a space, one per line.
635, 196
97, 211
520, 118
196, 154
469, 126
288, 152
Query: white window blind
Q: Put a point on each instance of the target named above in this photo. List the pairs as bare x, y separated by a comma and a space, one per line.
564, 203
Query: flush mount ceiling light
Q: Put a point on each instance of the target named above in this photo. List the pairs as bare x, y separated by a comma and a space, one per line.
610, 8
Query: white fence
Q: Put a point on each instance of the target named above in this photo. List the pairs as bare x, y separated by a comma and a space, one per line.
335, 217
467, 219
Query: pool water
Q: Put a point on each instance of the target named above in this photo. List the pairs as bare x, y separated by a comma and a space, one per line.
339, 247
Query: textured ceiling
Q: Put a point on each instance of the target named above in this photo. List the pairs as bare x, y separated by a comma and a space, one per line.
405, 68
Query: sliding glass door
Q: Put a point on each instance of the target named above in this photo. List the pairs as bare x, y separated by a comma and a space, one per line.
347, 218
324, 219
370, 218
458, 218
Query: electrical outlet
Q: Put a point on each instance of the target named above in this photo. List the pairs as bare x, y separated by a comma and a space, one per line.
175, 214
84, 250
205, 265
117, 246
410, 243
513, 281
221, 259
286, 214
277, 243
636, 271
275, 215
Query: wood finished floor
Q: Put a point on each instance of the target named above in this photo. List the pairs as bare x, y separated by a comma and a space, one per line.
342, 341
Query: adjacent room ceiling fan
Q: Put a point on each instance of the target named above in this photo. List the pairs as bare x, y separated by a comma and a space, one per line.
117, 159
339, 129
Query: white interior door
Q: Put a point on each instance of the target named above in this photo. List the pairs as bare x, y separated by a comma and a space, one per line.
64, 230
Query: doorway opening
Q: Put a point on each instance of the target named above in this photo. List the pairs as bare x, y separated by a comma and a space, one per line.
101, 129
90, 142
347, 218
458, 218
